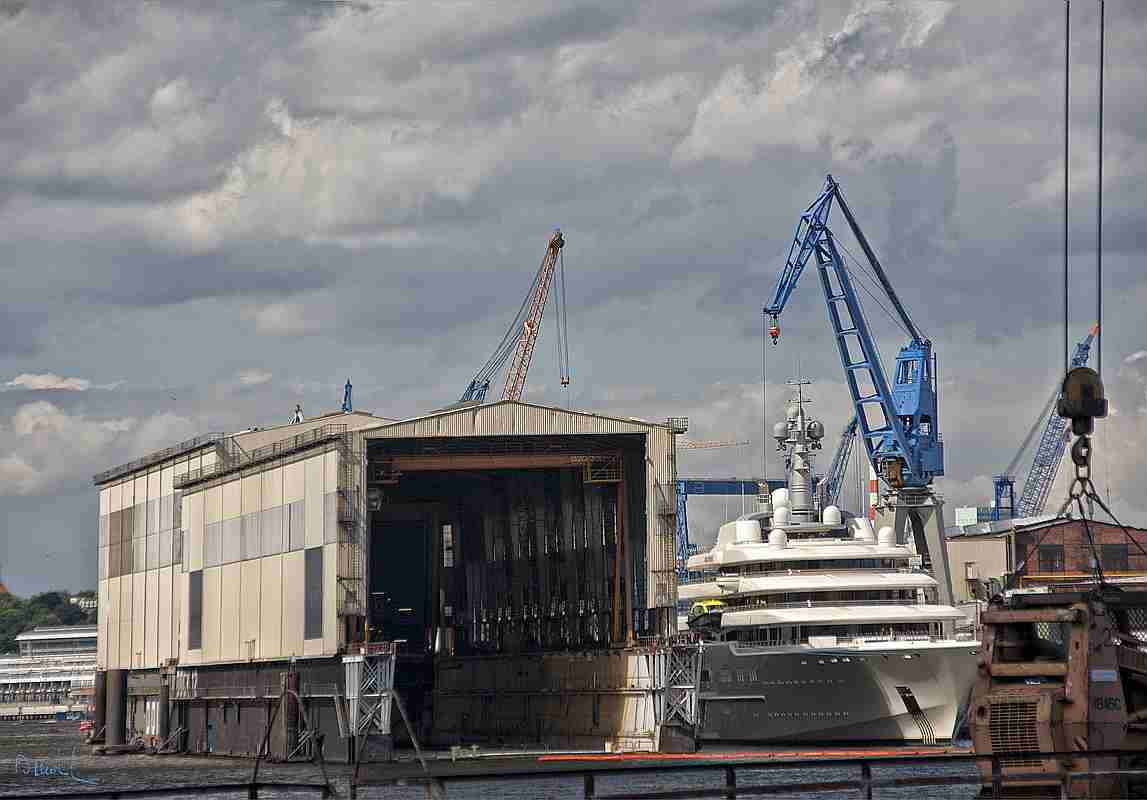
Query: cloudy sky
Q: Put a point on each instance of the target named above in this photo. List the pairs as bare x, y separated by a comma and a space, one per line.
212, 211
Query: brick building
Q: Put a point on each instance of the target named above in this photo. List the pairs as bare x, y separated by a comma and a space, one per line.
1042, 551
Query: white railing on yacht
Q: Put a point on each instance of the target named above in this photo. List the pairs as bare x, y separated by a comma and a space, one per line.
712, 577
826, 604
855, 641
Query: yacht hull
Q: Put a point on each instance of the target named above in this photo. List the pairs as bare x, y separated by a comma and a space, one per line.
895, 692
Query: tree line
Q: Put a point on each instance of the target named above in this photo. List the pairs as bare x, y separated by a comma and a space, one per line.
47, 608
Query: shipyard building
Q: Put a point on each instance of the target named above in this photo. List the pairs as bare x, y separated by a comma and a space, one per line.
508, 559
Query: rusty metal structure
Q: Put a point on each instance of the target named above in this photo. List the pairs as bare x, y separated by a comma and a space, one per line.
1064, 674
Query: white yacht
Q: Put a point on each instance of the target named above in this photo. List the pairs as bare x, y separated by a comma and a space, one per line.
822, 629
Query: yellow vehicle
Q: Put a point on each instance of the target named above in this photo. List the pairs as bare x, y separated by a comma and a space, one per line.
705, 612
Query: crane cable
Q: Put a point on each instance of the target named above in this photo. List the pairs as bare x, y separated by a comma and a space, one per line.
510, 339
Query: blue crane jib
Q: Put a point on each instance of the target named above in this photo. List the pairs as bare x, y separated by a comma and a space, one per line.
897, 424
1048, 454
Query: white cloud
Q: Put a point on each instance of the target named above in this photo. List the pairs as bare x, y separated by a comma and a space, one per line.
44, 445
1138, 355
47, 381
254, 377
18, 477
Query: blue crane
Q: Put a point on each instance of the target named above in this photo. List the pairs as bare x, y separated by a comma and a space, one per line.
710, 486
828, 487
1048, 453
897, 424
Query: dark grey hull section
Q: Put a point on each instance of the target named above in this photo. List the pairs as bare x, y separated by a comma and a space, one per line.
837, 695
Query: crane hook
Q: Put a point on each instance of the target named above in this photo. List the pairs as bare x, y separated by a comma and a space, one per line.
775, 329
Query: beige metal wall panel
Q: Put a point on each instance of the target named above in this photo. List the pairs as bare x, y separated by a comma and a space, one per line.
139, 618
115, 495
294, 482
252, 492
660, 516
166, 479
213, 505
273, 488
230, 612
195, 525
153, 484
179, 469
104, 554
232, 499
104, 501
165, 627
125, 609
111, 611
102, 625
141, 489
127, 493
212, 626
208, 458
249, 608
312, 647
331, 628
151, 629
292, 583
313, 468
271, 607
330, 471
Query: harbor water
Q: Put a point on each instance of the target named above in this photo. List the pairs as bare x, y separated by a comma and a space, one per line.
40, 757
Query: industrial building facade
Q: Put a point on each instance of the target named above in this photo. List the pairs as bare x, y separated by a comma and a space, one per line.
1046, 551
238, 570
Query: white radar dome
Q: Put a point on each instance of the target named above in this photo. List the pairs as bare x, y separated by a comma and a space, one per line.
863, 530
885, 537
778, 538
782, 515
830, 515
781, 431
748, 530
781, 498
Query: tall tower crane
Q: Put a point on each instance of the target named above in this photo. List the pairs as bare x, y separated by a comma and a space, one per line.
828, 487
1048, 453
897, 422
522, 335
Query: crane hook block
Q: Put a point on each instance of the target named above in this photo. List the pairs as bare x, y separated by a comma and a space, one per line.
1081, 400
774, 330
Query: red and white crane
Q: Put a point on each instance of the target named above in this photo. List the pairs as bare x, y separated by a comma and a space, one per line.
522, 335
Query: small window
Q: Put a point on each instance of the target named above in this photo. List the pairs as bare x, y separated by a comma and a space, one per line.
1114, 557
1051, 558
447, 545
907, 372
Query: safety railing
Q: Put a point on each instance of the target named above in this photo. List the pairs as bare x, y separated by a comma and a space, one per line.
160, 455
236, 458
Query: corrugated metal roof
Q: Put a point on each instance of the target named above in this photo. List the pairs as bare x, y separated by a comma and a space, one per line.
59, 632
511, 418
1002, 526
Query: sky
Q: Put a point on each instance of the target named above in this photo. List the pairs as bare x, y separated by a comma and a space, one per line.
210, 212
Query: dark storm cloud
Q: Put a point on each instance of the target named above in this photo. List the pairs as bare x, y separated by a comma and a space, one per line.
230, 209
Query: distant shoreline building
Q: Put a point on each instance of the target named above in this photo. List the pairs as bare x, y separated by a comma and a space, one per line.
53, 675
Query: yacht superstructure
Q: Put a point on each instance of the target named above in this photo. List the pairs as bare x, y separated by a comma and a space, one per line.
826, 630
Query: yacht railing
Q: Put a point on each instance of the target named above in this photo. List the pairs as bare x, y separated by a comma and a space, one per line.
842, 641
712, 577
827, 604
